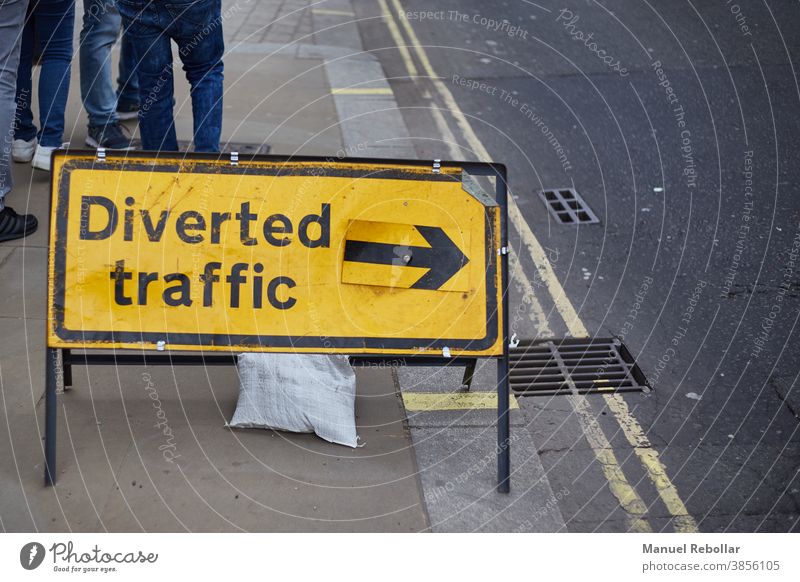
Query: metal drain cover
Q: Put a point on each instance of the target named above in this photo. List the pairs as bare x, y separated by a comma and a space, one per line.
591, 365
567, 206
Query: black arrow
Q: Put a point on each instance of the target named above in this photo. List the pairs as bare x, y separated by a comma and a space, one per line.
442, 258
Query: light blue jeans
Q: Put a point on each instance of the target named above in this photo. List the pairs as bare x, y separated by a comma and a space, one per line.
101, 27
12, 18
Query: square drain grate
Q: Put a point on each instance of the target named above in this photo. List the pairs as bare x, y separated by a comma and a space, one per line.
590, 365
567, 206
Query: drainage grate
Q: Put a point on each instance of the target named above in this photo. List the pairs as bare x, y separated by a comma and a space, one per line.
567, 206
591, 365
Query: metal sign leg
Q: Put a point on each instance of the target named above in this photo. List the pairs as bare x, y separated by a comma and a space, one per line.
67, 367
503, 428
503, 415
50, 417
469, 372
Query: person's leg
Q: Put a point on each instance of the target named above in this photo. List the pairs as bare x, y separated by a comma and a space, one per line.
11, 22
127, 82
197, 28
142, 21
12, 18
24, 128
54, 21
101, 24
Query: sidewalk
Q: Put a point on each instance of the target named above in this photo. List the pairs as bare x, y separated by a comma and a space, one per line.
113, 473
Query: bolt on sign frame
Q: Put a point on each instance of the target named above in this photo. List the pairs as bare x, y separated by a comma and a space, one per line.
154, 256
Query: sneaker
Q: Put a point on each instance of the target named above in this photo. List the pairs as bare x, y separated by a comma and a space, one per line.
112, 136
14, 226
127, 110
22, 151
41, 159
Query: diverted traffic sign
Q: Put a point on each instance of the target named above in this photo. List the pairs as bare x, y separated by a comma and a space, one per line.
191, 252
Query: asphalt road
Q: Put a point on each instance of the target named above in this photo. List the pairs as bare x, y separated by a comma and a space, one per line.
677, 122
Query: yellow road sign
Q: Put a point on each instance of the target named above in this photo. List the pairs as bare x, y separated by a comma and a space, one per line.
195, 253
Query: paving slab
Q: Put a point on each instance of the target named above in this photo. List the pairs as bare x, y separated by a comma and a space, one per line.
458, 467
132, 462
23, 281
457, 455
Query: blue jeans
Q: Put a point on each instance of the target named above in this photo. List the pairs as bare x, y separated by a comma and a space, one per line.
12, 18
196, 27
49, 24
101, 26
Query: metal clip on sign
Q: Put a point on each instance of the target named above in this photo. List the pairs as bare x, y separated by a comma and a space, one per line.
254, 257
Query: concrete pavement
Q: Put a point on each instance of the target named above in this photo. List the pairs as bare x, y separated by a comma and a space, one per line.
297, 78
118, 469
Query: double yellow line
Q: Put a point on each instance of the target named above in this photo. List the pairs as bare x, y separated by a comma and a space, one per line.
619, 486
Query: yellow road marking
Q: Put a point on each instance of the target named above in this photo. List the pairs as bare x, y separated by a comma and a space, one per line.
365, 91
398, 40
421, 54
648, 456
619, 486
427, 401
332, 12
631, 428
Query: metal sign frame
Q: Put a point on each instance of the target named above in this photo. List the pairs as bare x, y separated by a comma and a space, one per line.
140, 357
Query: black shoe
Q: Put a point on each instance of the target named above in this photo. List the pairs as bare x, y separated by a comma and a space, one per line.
14, 226
112, 136
127, 110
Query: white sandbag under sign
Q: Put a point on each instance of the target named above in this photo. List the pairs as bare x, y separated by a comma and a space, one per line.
298, 393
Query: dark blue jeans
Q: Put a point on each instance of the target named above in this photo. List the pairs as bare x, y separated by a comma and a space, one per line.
50, 25
196, 27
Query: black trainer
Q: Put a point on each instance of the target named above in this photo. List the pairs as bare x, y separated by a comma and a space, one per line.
112, 136
14, 226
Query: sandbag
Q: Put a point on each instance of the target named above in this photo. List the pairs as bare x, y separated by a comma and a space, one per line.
298, 393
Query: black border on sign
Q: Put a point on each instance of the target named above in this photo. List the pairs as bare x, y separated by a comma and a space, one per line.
236, 342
